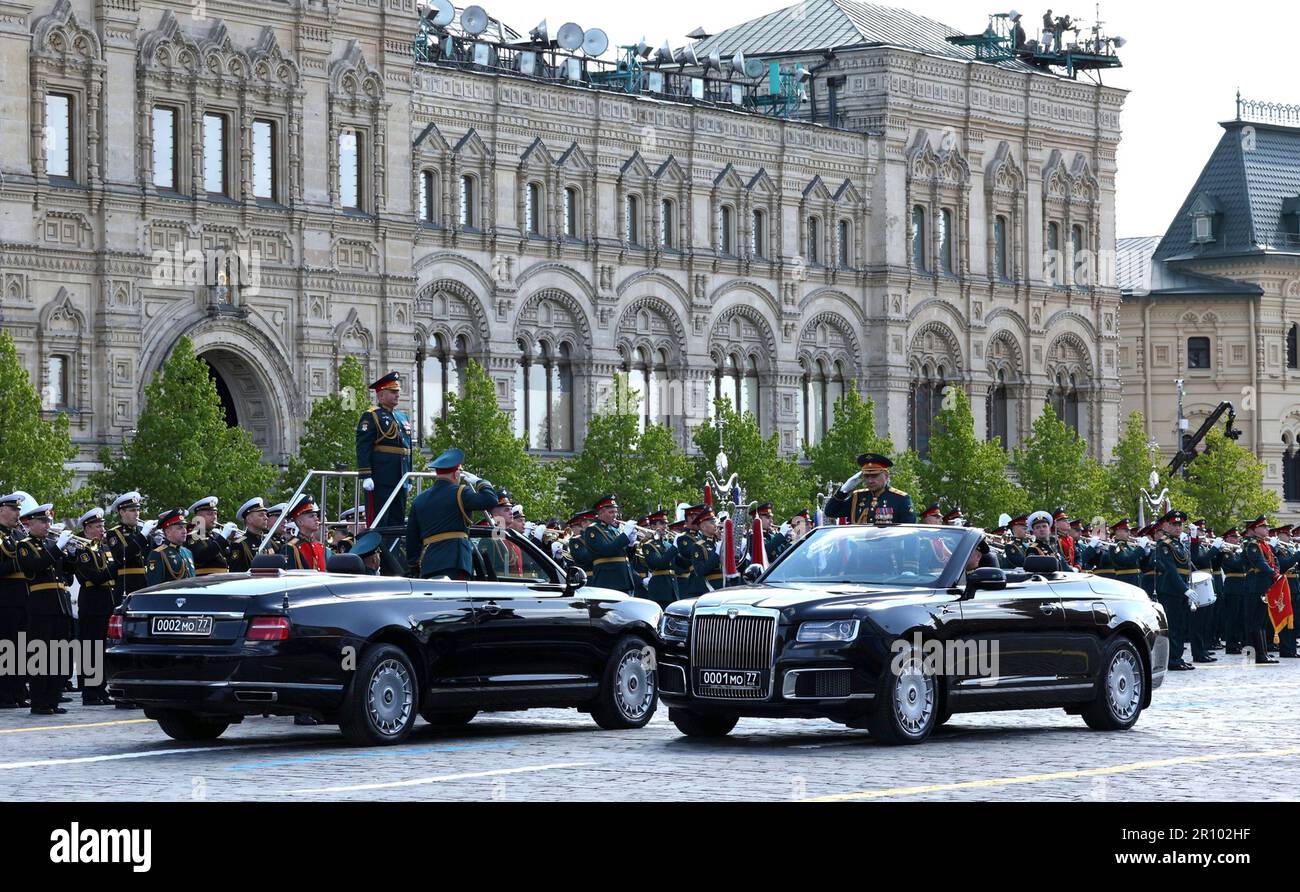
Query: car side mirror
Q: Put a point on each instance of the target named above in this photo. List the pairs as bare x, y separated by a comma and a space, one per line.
752, 573
984, 579
575, 578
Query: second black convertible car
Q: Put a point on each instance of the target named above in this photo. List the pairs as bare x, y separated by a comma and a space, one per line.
896, 628
372, 652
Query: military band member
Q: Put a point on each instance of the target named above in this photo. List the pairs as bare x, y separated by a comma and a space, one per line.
342, 539
876, 501
954, 518
93, 565
800, 523
129, 543
1232, 608
775, 542
252, 514
305, 551
437, 533
1123, 558
706, 558
1261, 572
1174, 567
13, 598
1013, 548
660, 557
49, 608
1043, 543
209, 547
384, 451
1201, 620
1287, 559
608, 543
171, 560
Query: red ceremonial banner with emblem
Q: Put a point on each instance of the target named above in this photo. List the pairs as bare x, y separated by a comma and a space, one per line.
1280, 610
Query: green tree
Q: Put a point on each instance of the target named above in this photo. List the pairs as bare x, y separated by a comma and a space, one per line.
36, 452
906, 476
645, 470
853, 432
1224, 485
964, 471
182, 449
475, 423
763, 472
1129, 472
1055, 471
329, 439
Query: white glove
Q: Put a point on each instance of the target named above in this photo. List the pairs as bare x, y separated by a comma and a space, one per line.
851, 484
1194, 531
556, 549
471, 479
632, 533
64, 538
1094, 542
228, 530
786, 529
528, 527
1272, 540
368, 484
722, 544
1217, 543
1184, 538
147, 527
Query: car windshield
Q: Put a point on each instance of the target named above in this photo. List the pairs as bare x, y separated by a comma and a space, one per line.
868, 555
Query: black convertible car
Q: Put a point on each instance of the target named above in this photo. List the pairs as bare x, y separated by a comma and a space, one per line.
370, 653
896, 628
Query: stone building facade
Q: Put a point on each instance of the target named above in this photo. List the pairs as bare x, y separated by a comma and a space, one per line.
418, 216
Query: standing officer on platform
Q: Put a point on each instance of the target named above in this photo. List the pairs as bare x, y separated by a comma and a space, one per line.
1174, 567
13, 597
437, 533
877, 501
49, 609
608, 545
93, 566
384, 451
130, 545
660, 556
171, 560
210, 549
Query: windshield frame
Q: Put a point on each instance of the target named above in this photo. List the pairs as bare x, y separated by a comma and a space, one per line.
951, 577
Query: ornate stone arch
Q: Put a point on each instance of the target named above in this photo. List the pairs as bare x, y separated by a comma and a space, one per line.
1004, 353
62, 332
1068, 353
1004, 187
744, 329
555, 315
934, 346
829, 337
938, 178
353, 338
452, 308
650, 322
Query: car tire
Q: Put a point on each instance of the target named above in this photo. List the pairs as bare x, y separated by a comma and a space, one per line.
1119, 689
444, 718
188, 726
381, 703
908, 705
629, 691
693, 724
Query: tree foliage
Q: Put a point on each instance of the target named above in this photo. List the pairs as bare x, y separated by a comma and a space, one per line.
329, 437
763, 472
182, 449
852, 432
36, 451
1055, 471
964, 471
1133, 461
1224, 485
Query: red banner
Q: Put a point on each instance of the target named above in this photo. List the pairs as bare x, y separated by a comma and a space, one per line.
1280, 610
757, 553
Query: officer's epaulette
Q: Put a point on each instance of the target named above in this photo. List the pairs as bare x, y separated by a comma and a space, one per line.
373, 409
897, 492
161, 548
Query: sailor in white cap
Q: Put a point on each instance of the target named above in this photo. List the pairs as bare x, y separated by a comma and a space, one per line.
252, 514
13, 596
1043, 542
49, 608
129, 543
95, 570
210, 548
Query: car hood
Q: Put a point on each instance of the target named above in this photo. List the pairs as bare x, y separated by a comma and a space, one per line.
870, 597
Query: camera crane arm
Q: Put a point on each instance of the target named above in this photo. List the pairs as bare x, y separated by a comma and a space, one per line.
1188, 452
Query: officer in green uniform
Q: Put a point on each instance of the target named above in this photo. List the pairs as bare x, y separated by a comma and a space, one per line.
660, 557
1174, 566
93, 565
1261, 571
1124, 556
1146, 536
1233, 603
705, 554
437, 533
607, 544
874, 502
130, 545
384, 452
171, 560
775, 543
48, 570
1013, 548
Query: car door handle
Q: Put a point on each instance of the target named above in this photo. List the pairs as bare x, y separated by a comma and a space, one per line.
492, 608
1047, 608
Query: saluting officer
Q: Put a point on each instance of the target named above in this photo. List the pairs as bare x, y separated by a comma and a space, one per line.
775, 542
384, 451
1261, 572
876, 501
660, 556
171, 560
1173, 572
608, 543
437, 533
305, 551
95, 570
129, 543
210, 547
13, 598
252, 514
49, 608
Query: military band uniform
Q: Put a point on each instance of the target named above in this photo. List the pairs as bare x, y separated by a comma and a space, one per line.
437, 533
211, 553
1261, 571
96, 573
660, 556
384, 455
13, 613
607, 545
1287, 559
862, 506
49, 611
1124, 562
130, 548
1233, 564
1050, 548
693, 554
243, 551
775, 544
682, 563
1201, 625
1173, 563
1013, 553
168, 562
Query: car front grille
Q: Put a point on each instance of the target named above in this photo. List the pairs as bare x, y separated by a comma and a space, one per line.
733, 642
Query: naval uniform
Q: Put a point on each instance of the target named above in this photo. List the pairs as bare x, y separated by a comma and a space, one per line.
13, 613
211, 554
49, 611
95, 571
130, 547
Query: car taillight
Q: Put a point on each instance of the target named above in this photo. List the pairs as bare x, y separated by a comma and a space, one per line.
268, 628
115, 627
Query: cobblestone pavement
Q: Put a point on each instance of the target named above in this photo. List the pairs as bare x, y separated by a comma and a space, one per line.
1224, 731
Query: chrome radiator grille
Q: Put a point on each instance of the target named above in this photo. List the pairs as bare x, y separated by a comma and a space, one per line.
738, 644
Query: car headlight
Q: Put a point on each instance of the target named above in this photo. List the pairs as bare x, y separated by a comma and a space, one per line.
673, 627
831, 630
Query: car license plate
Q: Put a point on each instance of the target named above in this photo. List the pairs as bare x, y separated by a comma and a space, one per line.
739, 679
192, 626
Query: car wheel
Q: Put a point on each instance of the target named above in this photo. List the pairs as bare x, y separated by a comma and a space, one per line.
443, 718
628, 692
1119, 690
907, 709
383, 699
188, 726
692, 724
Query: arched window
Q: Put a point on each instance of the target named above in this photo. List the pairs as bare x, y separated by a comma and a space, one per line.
572, 214
845, 244
803, 401
428, 197
749, 388
1078, 261
1292, 358
817, 400
946, 242
533, 209
468, 197
441, 370
997, 415
1290, 470
725, 241
667, 224
918, 239
1052, 257
1000, 269
632, 220
1065, 400
560, 400
544, 397
814, 240
926, 400
758, 234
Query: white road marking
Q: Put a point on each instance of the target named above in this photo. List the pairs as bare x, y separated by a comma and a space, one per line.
437, 779
82, 760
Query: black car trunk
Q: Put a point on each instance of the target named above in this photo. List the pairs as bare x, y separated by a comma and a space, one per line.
207, 612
